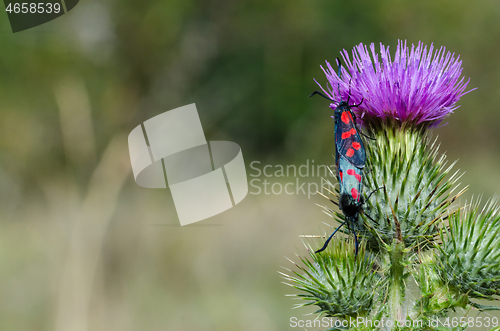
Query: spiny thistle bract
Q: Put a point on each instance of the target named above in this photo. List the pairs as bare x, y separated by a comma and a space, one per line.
410, 227
336, 280
415, 192
436, 296
469, 257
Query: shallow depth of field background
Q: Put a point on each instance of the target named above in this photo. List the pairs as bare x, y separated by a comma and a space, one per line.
82, 247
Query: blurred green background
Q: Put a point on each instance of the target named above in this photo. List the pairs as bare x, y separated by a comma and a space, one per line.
82, 247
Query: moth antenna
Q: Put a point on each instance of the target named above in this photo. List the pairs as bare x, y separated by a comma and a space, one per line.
321, 94
359, 104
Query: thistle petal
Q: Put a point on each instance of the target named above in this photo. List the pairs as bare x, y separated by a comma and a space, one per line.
421, 86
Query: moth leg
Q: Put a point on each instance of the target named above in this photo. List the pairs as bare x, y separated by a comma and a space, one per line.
330, 238
355, 240
381, 187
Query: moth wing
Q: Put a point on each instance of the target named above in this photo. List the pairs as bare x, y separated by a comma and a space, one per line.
348, 142
351, 178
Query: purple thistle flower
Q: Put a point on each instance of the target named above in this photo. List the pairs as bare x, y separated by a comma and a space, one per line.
419, 86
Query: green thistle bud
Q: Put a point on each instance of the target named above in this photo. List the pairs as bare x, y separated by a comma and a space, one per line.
339, 283
415, 192
437, 297
468, 259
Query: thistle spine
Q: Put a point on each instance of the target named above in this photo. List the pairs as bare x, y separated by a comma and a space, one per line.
405, 234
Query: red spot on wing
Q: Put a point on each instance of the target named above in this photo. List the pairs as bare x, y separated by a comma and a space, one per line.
350, 152
354, 193
341, 175
353, 173
349, 133
356, 145
345, 117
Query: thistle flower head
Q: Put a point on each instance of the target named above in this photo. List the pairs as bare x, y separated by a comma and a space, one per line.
421, 85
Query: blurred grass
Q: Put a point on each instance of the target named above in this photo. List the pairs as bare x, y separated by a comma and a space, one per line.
73, 87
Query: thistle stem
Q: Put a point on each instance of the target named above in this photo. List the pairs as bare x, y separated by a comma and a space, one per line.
397, 311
